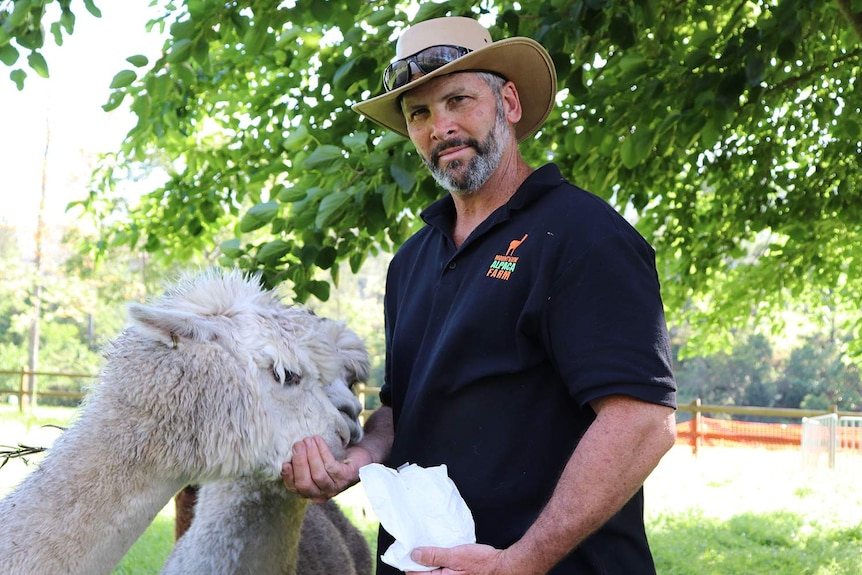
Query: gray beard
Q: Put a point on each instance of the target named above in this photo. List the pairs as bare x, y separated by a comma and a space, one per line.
480, 167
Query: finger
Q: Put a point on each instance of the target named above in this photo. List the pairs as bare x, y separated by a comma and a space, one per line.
287, 476
300, 469
332, 466
429, 556
320, 461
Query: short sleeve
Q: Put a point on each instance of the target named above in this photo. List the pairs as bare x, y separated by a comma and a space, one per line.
606, 328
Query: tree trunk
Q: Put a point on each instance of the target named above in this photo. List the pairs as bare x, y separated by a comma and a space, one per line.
33, 352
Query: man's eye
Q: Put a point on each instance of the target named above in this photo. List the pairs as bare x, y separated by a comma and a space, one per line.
418, 114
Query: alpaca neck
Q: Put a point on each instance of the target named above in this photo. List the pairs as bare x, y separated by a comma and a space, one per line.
79, 514
244, 526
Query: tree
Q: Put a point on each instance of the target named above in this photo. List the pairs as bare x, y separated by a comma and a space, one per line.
22, 27
742, 377
728, 131
816, 377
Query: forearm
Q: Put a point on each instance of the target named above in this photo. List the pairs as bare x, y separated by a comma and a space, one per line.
377, 441
610, 464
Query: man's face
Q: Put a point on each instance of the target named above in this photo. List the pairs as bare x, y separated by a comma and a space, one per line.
458, 126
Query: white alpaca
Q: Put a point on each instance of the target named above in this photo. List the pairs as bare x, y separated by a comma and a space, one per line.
217, 379
253, 525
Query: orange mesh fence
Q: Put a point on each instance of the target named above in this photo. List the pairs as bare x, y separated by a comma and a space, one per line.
728, 433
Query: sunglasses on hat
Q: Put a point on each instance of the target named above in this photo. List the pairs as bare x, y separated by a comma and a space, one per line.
398, 74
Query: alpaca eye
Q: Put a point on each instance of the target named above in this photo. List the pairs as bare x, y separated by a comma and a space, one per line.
285, 376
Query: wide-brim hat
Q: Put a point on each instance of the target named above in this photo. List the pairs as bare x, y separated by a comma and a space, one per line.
522, 60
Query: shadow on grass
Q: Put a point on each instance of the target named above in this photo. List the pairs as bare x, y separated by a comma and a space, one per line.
780, 543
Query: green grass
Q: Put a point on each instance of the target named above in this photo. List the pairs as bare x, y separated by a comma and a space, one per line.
774, 543
726, 512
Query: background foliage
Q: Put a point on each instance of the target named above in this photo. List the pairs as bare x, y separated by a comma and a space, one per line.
728, 131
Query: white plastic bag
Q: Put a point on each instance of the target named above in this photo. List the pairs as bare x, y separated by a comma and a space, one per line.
419, 507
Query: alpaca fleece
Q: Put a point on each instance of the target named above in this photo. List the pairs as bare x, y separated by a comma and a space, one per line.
216, 379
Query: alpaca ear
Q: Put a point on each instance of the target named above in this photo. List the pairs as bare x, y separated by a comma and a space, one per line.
167, 325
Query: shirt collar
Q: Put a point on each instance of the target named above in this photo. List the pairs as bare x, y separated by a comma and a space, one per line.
441, 214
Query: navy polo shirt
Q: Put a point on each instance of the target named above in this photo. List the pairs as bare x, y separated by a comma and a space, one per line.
495, 349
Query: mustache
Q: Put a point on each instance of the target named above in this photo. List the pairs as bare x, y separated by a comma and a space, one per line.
445, 145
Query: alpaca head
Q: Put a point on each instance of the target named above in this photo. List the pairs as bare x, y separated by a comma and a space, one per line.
230, 377
352, 359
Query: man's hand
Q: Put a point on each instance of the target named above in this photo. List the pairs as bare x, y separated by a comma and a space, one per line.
464, 560
316, 474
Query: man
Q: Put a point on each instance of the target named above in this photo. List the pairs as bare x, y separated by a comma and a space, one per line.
526, 342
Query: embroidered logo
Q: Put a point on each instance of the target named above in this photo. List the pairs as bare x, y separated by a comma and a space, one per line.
503, 266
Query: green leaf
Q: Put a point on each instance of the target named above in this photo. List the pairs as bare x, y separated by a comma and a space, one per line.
631, 63
183, 30
388, 140
123, 79
201, 51
67, 21
356, 142
38, 63
138, 61
32, 40
405, 180
296, 140
254, 38
319, 289
323, 155
114, 101
180, 51
92, 9
330, 208
621, 31
325, 257
258, 216
343, 73
754, 69
849, 128
8, 54
380, 17
636, 148
390, 198
57, 33
786, 49
18, 76
291, 194
231, 248
272, 252
20, 11
428, 10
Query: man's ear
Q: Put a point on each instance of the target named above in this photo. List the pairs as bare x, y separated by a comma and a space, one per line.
511, 102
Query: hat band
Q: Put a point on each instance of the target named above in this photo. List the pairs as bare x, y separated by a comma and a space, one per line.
398, 73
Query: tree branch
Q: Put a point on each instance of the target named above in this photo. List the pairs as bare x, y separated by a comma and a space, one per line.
854, 19
815, 71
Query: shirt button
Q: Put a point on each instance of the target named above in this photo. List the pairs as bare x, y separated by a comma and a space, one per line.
452, 265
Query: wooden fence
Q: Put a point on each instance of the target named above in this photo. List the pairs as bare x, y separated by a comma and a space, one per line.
364, 392
22, 392
702, 430
699, 431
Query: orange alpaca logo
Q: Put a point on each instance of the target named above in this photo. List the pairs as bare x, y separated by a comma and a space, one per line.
503, 266
513, 245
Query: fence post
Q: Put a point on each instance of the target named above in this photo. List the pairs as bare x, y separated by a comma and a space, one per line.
833, 438
360, 395
695, 426
21, 392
